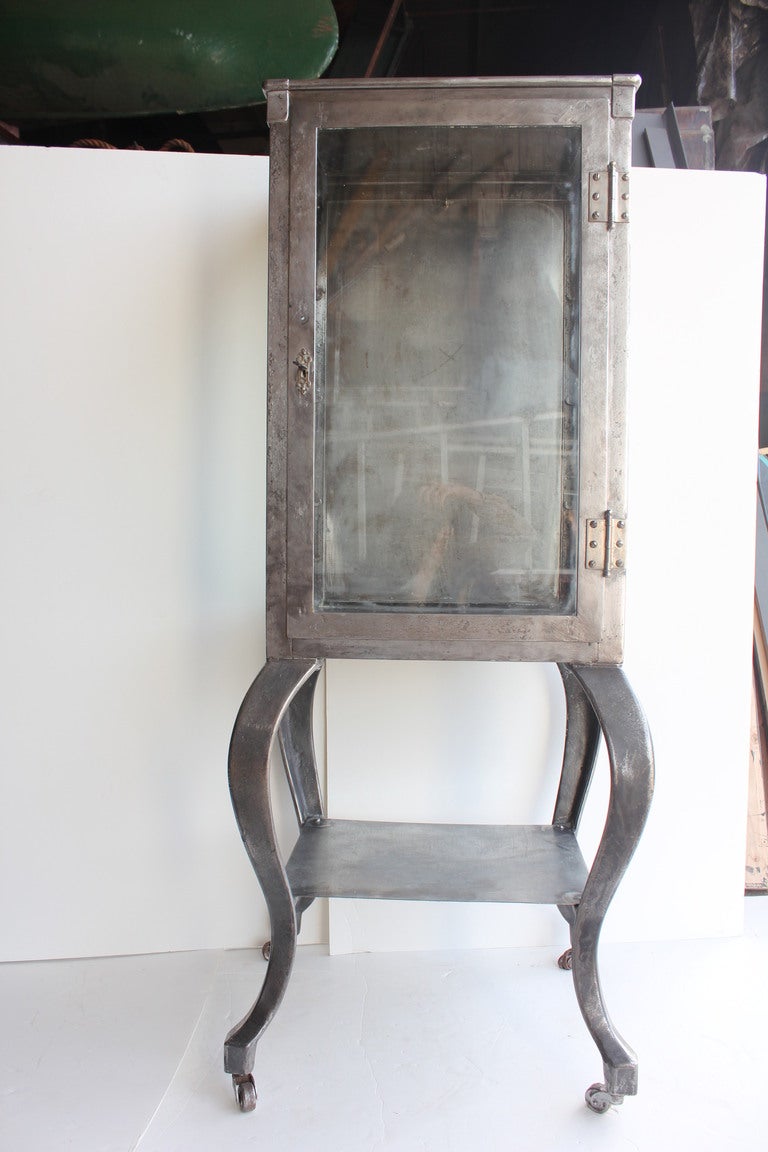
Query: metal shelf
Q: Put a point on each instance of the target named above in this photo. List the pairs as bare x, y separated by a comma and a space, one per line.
529, 863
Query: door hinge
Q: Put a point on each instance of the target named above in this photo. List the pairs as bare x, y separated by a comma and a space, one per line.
605, 548
609, 196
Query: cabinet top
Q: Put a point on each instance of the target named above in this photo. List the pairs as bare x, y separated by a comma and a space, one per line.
619, 80
622, 88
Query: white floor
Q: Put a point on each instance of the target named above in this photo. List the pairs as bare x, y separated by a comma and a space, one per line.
451, 1051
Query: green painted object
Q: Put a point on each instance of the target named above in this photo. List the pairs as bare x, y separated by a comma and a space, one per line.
81, 59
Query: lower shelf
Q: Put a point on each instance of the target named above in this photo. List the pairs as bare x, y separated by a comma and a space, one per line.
527, 863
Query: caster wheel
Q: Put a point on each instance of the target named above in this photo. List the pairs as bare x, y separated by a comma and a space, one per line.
245, 1092
566, 960
600, 1100
266, 949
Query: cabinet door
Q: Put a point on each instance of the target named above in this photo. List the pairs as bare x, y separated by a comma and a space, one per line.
448, 384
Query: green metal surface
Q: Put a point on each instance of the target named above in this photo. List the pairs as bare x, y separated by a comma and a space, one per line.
80, 59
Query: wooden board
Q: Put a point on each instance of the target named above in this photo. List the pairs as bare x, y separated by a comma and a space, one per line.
756, 870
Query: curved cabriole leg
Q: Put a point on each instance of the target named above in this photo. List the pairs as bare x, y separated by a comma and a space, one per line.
582, 741
255, 728
298, 750
300, 906
631, 760
297, 746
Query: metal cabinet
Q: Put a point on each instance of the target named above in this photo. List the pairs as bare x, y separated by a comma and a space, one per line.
446, 436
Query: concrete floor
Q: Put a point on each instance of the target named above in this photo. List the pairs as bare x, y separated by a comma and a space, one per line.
417, 1052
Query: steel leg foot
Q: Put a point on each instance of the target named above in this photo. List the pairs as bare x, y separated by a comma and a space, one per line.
599, 1099
245, 1092
252, 739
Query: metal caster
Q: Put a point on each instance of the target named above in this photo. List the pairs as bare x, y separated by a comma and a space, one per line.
566, 960
245, 1092
599, 1099
266, 949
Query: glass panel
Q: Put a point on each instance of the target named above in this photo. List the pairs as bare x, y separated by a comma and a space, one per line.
447, 369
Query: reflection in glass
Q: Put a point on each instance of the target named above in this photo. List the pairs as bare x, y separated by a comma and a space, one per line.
447, 376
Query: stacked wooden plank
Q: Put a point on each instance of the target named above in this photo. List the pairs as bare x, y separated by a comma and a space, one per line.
756, 879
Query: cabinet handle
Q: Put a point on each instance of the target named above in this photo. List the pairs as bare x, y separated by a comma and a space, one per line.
303, 364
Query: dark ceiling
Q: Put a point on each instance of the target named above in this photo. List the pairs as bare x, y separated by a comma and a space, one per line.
449, 38
527, 37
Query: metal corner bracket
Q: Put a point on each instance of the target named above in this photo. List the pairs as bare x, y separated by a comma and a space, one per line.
623, 92
278, 105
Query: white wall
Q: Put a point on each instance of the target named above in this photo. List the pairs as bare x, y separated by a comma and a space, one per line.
132, 334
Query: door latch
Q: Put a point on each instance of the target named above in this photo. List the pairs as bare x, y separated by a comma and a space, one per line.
303, 364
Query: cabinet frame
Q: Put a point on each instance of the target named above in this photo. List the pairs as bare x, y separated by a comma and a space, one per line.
601, 109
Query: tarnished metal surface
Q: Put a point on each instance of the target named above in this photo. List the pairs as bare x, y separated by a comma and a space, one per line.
252, 739
619, 89
630, 753
623, 97
582, 741
533, 864
593, 632
278, 644
527, 864
298, 751
367, 859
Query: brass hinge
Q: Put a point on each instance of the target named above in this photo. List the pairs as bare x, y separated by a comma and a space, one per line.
609, 196
606, 543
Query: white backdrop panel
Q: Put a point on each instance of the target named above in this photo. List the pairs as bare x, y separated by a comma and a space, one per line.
133, 315
132, 346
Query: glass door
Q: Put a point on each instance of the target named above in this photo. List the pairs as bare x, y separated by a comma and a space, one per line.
447, 369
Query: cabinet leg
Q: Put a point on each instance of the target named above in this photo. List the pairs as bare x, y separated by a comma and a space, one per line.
297, 746
631, 762
298, 750
582, 741
257, 722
